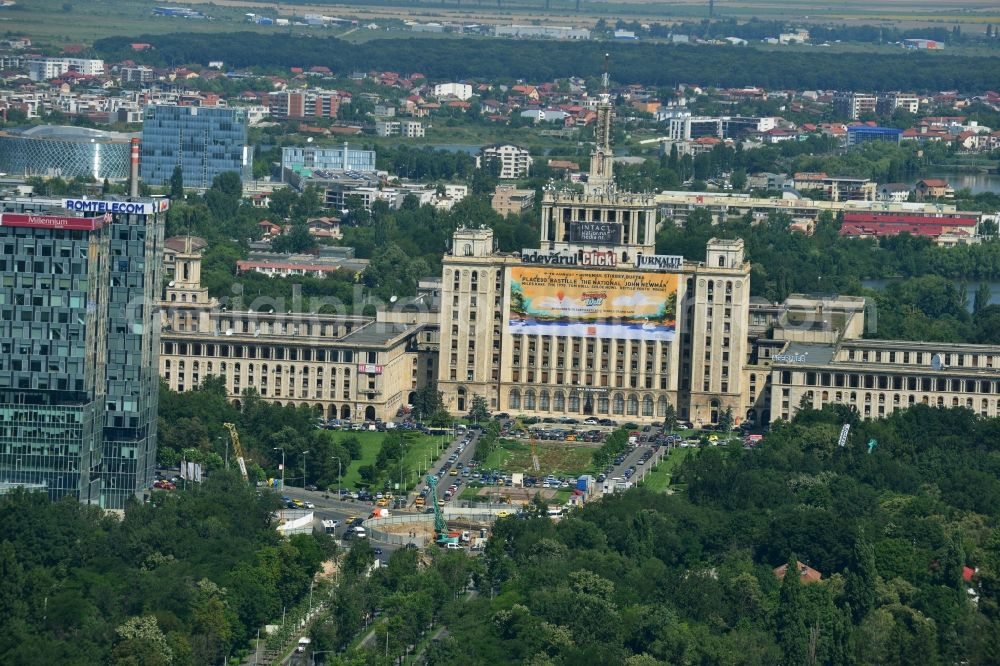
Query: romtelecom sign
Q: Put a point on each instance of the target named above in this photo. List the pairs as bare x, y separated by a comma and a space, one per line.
125, 207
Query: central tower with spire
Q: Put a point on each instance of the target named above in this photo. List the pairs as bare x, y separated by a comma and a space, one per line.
601, 179
600, 219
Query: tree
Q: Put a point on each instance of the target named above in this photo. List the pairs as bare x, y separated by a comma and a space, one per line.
862, 580
726, 420
229, 183
670, 420
296, 240
739, 179
982, 298
427, 400
792, 635
177, 183
282, 201
142, 642
480, 410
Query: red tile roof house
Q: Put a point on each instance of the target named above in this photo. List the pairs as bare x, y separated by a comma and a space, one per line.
806, 573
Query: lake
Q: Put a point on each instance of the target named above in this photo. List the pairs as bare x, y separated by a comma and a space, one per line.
977, 182
972, 286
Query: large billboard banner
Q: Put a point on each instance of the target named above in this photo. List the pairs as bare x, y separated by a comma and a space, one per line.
595, 233
602, 304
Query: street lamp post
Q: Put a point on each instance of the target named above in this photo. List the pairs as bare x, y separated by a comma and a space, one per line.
312, 658
304, 469
278, 448
337, 458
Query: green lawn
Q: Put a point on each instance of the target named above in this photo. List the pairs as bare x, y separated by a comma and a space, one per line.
659, 479
420, 450
557, 458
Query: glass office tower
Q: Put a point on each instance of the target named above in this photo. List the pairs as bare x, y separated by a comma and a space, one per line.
79, 343
203, 141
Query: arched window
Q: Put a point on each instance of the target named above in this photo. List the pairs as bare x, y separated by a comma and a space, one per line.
574, 402
166, 364
714, 418
543, 401
180, 364
618, 406
647, 406
529, 399
661, 406
633, 405
603, 404
461, 398
722, 261
514, 400
560, 401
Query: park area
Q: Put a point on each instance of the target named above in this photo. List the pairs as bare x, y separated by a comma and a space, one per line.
554, 457
420, 450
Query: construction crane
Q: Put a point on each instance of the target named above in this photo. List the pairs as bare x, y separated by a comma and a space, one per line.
441, 535
240, 458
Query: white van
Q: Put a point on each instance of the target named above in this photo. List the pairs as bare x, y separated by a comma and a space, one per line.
453, 546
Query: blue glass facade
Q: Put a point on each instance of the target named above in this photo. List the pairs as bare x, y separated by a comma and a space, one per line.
203, 141
858, 134
53, 323
79, 345
328, 159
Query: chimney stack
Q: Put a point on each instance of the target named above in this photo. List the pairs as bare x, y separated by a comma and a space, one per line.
134, 179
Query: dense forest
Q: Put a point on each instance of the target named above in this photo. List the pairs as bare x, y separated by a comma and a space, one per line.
648, 64
191, 427
184, 580
645, 578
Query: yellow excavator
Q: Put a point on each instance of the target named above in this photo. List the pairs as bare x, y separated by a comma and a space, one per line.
240, 458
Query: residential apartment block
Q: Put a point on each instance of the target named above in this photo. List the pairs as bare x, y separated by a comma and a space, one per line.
304, 104
408, 129
510, 161
43, 69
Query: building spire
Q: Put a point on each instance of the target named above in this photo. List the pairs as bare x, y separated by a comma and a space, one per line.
600, 180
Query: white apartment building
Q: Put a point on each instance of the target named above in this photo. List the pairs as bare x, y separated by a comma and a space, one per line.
409, 129
43, 69
462, 91
514, 162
